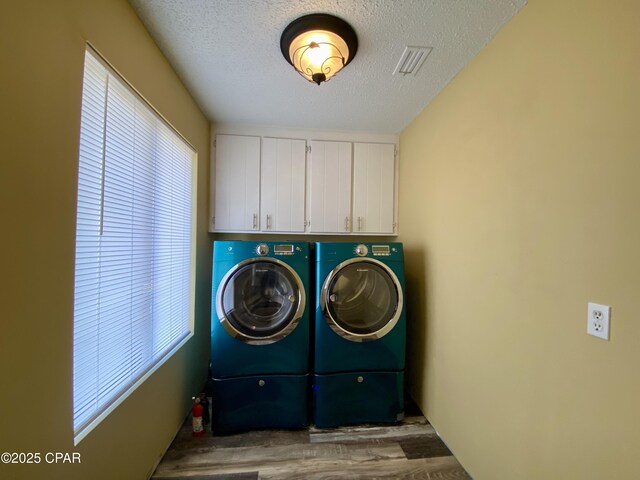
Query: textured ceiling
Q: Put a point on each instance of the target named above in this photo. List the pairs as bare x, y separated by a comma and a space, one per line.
227, 52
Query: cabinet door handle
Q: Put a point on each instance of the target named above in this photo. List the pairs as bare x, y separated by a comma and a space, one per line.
255, 221
359, 224
268, 222
346, 224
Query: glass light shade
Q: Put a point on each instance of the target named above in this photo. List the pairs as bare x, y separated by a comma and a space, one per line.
318, 45
318, 55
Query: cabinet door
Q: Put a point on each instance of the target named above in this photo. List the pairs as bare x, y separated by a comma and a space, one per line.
282, 185
373, 187
330, 187
237, 183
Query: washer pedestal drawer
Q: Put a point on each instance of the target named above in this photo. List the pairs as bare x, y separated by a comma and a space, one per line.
358, 397
253, 402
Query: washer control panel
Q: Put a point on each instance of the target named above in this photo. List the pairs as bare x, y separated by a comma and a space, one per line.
262, 249
284, 249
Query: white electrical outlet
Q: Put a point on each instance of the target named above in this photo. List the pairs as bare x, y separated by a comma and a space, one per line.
598, 320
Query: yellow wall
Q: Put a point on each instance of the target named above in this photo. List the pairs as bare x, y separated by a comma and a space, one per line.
42, 47
519, 197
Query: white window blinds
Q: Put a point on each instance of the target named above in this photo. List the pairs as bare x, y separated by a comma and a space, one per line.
134, 276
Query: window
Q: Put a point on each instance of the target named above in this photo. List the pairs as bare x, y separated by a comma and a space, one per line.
134, 272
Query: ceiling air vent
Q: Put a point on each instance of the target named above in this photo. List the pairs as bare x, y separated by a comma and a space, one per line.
412, 59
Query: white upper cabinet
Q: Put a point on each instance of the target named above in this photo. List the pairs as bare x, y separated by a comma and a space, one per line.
282, 185
373, 188
266, 183
237, 183
330, 187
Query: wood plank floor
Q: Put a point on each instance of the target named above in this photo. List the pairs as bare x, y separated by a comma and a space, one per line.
409, 450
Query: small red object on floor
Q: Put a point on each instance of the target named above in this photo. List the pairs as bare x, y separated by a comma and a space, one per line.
196, 411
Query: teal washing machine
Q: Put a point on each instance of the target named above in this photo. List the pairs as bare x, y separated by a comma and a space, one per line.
260, 335
360, 334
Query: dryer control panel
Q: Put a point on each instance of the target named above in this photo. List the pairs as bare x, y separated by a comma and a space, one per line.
380, 250
363, 250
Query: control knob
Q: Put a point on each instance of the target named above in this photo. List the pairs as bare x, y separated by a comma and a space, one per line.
361, 250
262, 249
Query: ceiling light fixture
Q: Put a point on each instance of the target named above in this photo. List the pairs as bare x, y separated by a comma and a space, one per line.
318, 46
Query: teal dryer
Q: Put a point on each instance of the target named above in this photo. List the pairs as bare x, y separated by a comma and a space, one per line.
260, 345
360, 334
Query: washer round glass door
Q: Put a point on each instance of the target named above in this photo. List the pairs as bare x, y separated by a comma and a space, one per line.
361, 299
260, 301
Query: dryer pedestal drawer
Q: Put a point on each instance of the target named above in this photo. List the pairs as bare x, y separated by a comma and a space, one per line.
358, 397
267, 401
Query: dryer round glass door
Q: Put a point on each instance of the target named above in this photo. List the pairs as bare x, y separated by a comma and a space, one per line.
260, 301
361, 299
